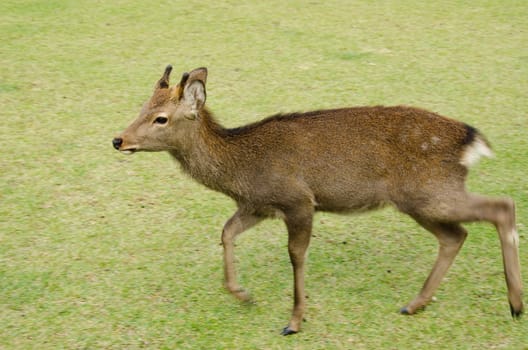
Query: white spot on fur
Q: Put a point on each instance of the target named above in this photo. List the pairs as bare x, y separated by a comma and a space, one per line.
474, 151
424, 146
435, 140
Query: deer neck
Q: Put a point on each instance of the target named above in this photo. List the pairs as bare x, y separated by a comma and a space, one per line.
207, 156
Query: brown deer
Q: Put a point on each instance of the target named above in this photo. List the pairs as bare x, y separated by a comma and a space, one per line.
340, 160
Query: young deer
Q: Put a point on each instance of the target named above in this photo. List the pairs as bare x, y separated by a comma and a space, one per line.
341, 160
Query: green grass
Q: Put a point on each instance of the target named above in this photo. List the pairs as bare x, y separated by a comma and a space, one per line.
102, 251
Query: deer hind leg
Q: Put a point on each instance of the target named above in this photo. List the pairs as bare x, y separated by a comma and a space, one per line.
237, 224
501, 213
498, 211
450, 237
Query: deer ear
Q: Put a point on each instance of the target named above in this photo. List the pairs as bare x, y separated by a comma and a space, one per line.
198, 74
194, 94
194, 97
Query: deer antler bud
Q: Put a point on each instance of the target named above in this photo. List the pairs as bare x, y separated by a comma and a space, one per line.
163, 83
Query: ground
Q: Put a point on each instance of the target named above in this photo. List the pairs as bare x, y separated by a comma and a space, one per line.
99, 250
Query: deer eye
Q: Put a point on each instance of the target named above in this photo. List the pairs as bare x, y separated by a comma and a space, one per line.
161, 120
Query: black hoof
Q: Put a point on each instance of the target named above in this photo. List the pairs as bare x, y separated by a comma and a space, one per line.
404, 311
288, 331
516, 314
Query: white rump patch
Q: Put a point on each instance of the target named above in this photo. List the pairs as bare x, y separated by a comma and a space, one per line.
474, 151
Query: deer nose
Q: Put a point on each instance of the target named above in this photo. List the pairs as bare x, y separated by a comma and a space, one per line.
117, 142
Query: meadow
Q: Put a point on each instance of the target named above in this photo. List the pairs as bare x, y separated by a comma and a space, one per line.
103, 251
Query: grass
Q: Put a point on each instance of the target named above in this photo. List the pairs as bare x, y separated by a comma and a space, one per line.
101, 251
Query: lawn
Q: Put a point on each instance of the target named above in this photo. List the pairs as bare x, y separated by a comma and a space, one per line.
103, 251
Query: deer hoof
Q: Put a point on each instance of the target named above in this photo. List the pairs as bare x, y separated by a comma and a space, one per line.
241, 294
249, 302
288, 331
405, 311
516, 314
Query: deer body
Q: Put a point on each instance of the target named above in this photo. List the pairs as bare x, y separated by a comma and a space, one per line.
342, 160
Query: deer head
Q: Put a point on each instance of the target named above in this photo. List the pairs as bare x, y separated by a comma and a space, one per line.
168, 117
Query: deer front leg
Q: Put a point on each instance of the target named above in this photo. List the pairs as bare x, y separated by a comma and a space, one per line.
237, 224
299, 232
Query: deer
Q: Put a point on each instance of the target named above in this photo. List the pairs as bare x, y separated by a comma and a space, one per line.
345, 160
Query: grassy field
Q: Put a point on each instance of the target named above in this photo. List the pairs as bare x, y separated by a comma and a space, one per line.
103, 251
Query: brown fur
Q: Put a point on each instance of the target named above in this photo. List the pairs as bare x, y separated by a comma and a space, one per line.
340, 160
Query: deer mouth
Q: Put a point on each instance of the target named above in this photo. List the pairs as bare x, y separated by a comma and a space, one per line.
128, 148
128, 151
